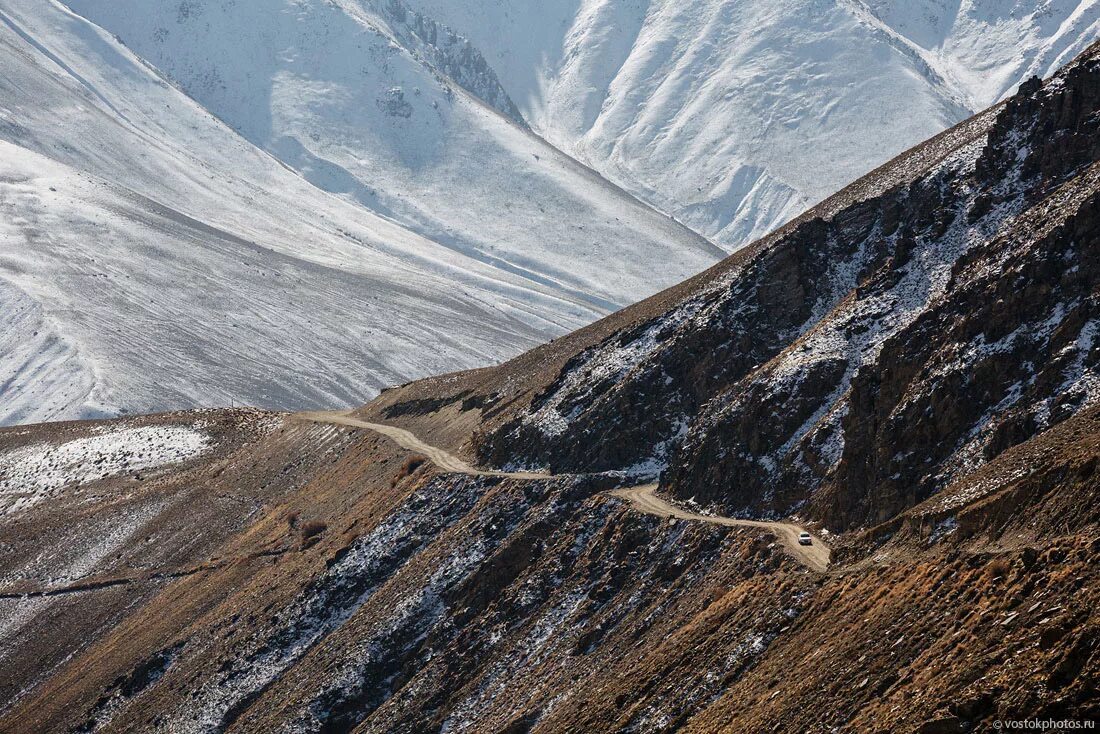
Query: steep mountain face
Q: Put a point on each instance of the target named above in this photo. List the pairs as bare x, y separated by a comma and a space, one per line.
734, 116
152, 258
384, 145
856, 362
352, 96
241, 571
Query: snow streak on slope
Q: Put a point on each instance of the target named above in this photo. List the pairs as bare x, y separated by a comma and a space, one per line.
41, 373
171, 263
734, 115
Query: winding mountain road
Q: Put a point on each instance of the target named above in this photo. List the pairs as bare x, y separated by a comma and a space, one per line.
407, 440
642, 498
645, 499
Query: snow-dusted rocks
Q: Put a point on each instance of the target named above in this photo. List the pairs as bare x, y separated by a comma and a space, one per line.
31, 474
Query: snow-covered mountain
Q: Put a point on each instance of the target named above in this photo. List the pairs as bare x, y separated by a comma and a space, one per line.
292, 203
151, 257
339, 92
735, 115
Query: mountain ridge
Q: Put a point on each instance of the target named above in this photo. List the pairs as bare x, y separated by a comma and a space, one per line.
662, 361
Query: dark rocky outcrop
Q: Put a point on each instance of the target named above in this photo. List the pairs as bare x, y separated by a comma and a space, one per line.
451, 55
854, 364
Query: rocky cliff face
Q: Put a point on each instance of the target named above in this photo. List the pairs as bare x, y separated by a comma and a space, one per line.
450, 54
857, 363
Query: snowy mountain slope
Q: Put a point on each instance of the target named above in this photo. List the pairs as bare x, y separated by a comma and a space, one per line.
168, 311
153, 258
983, 49
41, 373
328, 89
735, 115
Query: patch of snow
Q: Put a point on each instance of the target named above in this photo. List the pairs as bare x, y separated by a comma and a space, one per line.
32, 474
943, 528
657, 462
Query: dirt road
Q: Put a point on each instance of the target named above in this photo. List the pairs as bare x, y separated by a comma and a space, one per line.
645, 499
642, 498
443, 459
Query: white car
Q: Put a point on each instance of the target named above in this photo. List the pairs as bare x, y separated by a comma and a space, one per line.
805, 539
